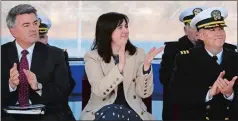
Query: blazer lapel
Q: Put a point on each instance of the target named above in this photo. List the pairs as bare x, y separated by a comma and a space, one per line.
106, 67
39, 58
128, 71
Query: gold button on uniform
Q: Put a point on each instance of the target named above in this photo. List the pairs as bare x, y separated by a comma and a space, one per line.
142, 112
207, 118
208, 107
226, 118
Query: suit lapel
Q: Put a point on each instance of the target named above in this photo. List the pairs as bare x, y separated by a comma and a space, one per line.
39, 58
225, 57
227, 65
12, 55
206, 58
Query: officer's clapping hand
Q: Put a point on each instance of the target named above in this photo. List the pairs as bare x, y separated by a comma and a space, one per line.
222, 86
225, 86
214, 90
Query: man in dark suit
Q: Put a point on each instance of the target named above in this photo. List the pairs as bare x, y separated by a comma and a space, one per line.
45, 25
204, 77
32, 72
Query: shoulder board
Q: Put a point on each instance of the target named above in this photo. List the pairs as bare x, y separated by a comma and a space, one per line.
183, 52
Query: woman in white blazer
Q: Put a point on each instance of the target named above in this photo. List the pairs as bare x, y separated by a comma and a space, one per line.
120, 74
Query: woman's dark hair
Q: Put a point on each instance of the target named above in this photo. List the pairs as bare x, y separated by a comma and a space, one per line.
105, 26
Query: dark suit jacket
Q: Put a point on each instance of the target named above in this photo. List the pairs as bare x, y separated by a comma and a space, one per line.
72, 81
49, 66
193, 74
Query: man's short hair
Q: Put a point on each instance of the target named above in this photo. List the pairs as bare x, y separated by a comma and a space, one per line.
18, 10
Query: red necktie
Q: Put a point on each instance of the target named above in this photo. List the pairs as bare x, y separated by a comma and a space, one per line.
23, 88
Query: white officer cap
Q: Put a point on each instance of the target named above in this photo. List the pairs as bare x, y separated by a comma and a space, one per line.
45, 20
210, 18
45, 24
188, 14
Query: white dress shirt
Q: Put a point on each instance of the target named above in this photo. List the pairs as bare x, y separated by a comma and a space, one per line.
219, 60
29, 59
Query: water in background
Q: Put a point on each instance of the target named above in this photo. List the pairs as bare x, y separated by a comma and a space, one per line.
77, 50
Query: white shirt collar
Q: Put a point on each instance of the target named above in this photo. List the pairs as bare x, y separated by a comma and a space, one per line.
219, 55
20, 49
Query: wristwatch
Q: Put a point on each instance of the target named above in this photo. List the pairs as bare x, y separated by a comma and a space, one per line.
39, 86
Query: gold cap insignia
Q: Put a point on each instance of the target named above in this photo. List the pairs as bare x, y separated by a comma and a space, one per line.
216, 14
196, 11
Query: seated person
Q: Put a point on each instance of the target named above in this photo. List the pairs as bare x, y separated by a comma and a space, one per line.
204, 77
119, 73
32, 72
